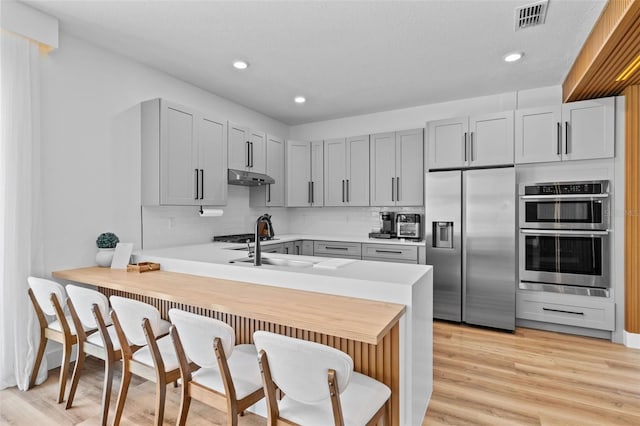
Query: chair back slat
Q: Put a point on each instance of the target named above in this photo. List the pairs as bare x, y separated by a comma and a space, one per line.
42, 289
130, 315
83, 300
197, 334
300, 367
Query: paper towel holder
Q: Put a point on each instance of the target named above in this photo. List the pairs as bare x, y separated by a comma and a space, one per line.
209, 212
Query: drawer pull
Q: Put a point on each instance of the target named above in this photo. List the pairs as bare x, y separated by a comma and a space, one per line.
560, 310
336, 248
388, 251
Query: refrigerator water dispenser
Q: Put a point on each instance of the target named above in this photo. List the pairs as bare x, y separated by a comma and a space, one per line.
443, 235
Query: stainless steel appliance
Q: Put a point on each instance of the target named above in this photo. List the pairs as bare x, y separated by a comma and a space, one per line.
564, 237
245, 178
565, 205
408, 226
471, 242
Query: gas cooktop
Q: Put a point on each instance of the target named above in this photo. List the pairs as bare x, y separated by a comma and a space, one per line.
238, 238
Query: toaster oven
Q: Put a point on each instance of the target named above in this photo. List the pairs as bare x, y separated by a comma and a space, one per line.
408, 226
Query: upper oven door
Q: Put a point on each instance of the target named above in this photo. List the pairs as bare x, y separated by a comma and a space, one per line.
564, 212
578, 258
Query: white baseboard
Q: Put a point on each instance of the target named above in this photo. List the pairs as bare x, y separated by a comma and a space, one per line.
632, 340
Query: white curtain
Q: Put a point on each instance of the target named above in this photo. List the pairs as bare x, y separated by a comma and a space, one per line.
20, 211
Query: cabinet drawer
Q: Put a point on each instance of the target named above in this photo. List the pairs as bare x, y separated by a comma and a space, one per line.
337, 249
580, 311
391, 252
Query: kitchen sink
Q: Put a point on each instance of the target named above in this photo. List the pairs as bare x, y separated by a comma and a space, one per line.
275, 262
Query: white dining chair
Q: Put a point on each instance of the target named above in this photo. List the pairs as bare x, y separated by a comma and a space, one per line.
223, 375
90, 309
48, 299
319, 385
147, 350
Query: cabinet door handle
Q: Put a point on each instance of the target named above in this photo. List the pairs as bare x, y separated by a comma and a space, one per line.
269, 193
566, 137
246, 163
562, 311
309, 192
388, 251
336, 248
313, 192
202, 184
343, 190
286, 250
471, 144
465, 146
197, 187
559, 136
347, 190
297, 250
393, 185
398, 188
250, 154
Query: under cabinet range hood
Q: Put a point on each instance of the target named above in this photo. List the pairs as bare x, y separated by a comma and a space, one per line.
244, 178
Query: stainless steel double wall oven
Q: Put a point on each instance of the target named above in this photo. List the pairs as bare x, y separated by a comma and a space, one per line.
564, 237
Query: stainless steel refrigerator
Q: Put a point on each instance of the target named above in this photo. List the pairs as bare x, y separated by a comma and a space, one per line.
470, 233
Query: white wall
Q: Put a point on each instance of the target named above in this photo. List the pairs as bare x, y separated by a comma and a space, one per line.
90, 163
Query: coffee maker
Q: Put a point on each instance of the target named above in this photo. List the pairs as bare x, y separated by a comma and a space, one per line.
387, 226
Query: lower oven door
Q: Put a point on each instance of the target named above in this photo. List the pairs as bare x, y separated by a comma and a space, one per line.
578, 258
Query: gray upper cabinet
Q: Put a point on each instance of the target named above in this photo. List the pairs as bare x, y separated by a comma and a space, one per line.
247, 149
271, 195
304, 174
346, 171
396, 170
275, 169
573, 131
183, 156
475, 141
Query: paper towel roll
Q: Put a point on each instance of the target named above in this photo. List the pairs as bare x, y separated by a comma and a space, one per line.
210, 212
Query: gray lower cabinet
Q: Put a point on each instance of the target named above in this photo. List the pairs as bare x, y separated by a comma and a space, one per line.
303, 248
289, 248
338, 249
390, 253
273, 248
567, 309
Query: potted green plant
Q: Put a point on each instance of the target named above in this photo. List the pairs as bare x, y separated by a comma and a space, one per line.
106, 243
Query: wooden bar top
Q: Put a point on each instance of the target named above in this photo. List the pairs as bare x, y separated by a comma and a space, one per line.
351, 318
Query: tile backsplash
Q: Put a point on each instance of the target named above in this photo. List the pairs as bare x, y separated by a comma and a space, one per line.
167, 226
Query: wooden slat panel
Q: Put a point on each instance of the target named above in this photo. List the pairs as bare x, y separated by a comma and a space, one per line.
378, 361
632, 210
611, 46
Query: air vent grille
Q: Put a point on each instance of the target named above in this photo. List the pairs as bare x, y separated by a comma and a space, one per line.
531, 15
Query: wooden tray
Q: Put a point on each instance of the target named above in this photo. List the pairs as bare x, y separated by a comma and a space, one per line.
143, 267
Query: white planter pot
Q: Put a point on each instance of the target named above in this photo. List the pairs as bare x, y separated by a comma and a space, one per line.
104, 256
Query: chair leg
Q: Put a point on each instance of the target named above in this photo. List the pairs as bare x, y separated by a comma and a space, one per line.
122, 395
185, 403
75, 377
39, 355
106, 390
64, 370
161, 393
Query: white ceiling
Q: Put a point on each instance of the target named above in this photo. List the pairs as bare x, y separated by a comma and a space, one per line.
346, 57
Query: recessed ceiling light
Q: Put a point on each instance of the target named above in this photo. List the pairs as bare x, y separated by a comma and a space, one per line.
513, 56
300, 99
240, 65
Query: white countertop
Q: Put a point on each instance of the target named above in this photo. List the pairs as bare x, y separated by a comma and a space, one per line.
350, 239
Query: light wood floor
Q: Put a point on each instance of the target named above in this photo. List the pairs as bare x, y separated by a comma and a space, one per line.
481, 377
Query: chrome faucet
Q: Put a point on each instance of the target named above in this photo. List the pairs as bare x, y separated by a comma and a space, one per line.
266, 219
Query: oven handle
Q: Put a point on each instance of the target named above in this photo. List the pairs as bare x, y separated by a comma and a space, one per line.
562, 232
563, 197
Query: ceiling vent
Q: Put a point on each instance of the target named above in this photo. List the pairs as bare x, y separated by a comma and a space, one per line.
531, 15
